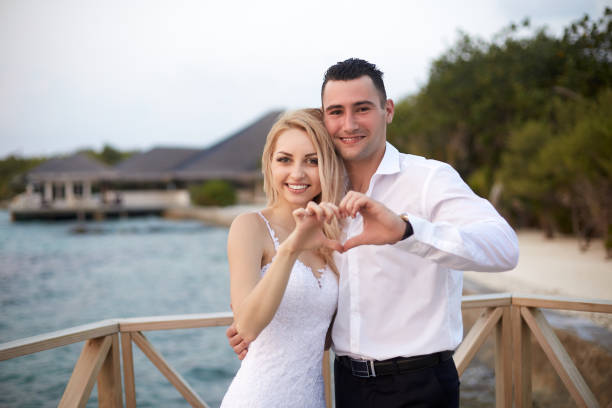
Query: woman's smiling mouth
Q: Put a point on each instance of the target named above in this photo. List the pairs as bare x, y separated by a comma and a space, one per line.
297, 188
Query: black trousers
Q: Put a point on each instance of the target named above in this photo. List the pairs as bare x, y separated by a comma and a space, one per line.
436, 386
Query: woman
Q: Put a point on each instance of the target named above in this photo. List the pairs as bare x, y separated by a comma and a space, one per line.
283, 280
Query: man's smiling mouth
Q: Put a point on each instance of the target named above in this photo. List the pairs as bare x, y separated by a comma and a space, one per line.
351, 139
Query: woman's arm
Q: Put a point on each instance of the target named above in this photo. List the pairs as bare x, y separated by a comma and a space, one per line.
254, 299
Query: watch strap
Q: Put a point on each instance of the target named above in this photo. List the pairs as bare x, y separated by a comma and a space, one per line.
409, 231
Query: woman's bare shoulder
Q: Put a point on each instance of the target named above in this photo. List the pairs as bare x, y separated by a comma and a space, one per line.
248, 222
248, 228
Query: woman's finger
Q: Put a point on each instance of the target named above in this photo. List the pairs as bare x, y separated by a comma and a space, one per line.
316, 210
330, 210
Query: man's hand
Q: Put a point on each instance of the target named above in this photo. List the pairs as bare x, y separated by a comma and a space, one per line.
236, 342
380, 225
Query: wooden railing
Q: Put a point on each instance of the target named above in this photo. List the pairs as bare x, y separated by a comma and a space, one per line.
513, 318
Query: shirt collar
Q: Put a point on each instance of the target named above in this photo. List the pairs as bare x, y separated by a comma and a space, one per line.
390, 161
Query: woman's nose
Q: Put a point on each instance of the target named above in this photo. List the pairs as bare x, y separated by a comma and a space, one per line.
297, 170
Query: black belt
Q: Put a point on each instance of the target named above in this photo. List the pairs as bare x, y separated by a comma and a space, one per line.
398, 365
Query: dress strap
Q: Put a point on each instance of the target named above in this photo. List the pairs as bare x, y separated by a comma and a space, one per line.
272, 234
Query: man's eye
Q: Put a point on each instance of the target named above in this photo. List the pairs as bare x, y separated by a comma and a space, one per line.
335, 112
363, 109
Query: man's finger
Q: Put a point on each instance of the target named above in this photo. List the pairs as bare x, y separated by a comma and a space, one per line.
355, 241
242, 346
235, 340
333, 244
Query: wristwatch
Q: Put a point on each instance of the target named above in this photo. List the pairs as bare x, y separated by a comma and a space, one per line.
409, 231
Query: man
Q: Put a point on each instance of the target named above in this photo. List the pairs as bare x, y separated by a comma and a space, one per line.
414, 226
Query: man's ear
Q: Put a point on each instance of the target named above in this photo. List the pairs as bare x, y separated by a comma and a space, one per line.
389, 110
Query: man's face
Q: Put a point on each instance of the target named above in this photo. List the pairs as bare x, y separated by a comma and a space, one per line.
355, 119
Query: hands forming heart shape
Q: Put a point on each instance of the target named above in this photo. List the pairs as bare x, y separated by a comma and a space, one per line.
380, 225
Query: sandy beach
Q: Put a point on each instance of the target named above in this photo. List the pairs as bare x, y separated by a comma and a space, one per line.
553, 267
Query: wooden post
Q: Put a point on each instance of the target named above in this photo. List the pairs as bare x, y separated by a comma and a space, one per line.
475, 337
327, 379
109, 378
128, 370
503, 361
175, 379
521, 359
557, 355
85, 372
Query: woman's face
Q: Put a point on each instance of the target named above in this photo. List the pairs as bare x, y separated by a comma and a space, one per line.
295, 169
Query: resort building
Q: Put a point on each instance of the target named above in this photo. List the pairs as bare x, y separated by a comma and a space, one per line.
151, 182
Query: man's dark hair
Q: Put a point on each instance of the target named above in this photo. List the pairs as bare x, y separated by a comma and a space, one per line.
354, 68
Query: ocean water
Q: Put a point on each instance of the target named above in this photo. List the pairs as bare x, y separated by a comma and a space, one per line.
53, 278
56, 275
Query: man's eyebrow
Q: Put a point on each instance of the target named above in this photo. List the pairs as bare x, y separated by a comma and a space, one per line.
366, 102
358, 103
332, 107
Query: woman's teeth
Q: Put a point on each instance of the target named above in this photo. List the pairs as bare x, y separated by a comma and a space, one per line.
297, 186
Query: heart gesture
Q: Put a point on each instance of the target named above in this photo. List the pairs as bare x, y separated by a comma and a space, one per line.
380, 225
308, 232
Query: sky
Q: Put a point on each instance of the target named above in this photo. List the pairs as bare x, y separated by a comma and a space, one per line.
136, 74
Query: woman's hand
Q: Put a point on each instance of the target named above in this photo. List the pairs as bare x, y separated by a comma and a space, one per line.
308, 232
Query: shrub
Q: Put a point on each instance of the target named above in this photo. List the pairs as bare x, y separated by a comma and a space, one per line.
213, 193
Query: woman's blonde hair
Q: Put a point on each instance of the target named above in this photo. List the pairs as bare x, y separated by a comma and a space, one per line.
331, 168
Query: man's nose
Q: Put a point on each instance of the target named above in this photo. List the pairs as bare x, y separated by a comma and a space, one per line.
350, 124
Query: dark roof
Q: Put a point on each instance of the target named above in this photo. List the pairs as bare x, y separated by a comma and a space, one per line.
236, 157
79, 162
239, 153
77, 166
159, 159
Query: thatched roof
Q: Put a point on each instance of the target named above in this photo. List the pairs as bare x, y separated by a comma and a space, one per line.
157, 164
237, 156
78, 166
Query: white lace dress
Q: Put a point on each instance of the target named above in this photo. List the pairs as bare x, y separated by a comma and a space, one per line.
283, 365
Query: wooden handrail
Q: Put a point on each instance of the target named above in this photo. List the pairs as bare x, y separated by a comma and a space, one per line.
488, 300
563, 303
47, 341
173, 322
513, 317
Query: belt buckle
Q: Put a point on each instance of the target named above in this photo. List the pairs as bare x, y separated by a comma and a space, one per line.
363, 368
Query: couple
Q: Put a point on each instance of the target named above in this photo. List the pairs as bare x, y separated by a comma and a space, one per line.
374, 261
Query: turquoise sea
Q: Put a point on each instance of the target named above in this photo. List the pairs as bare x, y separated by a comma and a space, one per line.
52, 277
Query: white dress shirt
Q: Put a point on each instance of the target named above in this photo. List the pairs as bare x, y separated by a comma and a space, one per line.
405, 299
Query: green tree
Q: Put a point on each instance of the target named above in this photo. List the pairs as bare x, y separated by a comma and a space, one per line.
12, 171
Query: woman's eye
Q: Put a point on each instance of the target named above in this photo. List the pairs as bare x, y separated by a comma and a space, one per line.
313, 161
282, 159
